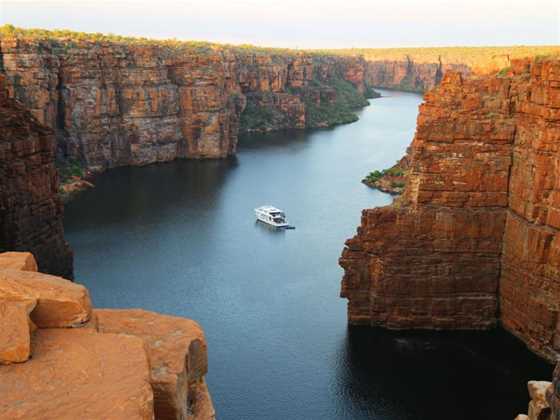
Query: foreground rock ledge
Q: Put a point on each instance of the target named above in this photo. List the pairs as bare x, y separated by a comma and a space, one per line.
177, 354
117, 364
77, 373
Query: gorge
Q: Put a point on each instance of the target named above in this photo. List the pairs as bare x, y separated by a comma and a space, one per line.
180, 238
472, 243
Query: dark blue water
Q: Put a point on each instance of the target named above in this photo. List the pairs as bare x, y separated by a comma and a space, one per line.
181, 238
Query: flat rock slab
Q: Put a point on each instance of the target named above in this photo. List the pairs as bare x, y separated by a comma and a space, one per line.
177, 352
15, 330
79, 374
60, 302
24, 261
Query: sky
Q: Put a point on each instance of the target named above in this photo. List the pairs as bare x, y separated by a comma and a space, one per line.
303, 23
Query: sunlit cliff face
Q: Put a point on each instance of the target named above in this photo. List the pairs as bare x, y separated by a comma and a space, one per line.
292, 23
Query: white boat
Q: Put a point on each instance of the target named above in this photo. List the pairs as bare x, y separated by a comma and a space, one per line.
272, 216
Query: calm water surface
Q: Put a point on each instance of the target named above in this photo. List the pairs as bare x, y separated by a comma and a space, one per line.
180, 238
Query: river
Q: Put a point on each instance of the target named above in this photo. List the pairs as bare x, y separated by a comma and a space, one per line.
181, 238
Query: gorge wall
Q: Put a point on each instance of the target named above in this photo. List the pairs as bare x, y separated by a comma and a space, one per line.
30, 208
475, 238
408, 75
421, 69
115, 103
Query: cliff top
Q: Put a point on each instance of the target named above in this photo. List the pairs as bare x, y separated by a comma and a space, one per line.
480, 59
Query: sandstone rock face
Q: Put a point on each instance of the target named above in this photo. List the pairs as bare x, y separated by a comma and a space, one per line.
408, 75
78, 373
114, 364
177, 354
113, 104
60, 302
30, 210
15, 330
475, 237
24, 261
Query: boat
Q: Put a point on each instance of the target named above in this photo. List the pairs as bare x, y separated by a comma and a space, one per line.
272, 216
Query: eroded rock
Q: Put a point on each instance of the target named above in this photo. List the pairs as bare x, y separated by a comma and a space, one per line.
176, 349
24, 261
15, 330
60, 302
79, 374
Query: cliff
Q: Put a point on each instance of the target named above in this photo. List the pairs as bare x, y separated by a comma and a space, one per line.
421, 69
475, 237
30, 209
408, 75
60, 358
114, 103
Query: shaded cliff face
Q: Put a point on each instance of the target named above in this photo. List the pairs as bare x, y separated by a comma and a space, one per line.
475, 237
115, 104
30, 209
408, 75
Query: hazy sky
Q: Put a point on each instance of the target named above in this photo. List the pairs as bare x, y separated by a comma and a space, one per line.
303, 23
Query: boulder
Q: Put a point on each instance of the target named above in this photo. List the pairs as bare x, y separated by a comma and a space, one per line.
60, 302
15, 330
79, 374
537, 392
177, 353
24, 261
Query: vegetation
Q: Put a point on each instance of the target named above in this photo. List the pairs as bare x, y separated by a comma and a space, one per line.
68, 169
258, 116
474, 57
341, 111
504, 71
375, 176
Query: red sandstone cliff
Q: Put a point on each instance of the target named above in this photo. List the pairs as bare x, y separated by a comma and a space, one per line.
30, 209
475, 238
113, 104
408, 75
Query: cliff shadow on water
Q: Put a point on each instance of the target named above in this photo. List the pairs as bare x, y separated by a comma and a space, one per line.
385, 374
151, 192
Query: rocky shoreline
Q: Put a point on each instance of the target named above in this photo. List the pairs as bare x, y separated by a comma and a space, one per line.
391, 180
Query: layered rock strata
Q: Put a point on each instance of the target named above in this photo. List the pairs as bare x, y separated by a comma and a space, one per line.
113, 104
475, 237
408, 75
30, 209
93, 363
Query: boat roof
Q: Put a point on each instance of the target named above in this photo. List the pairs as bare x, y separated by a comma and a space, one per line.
269, 209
